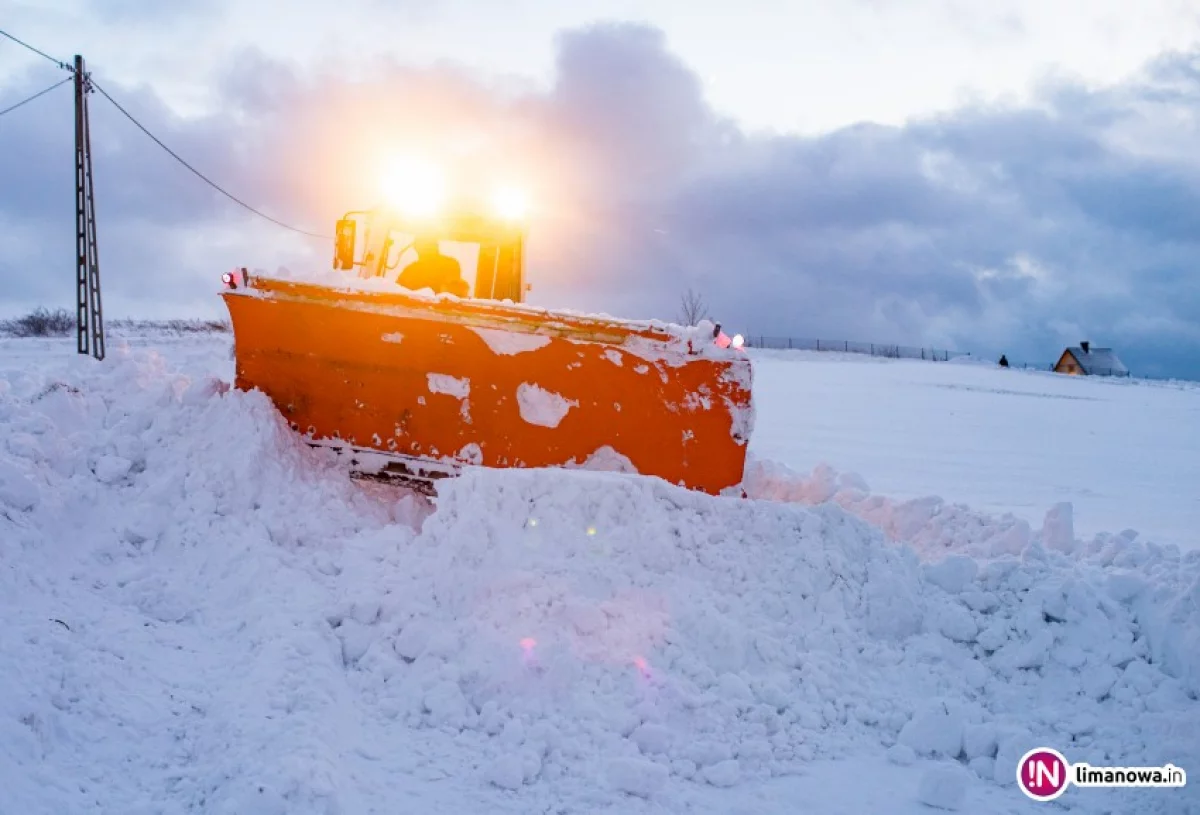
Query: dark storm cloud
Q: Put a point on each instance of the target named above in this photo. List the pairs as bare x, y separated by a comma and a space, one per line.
986, 228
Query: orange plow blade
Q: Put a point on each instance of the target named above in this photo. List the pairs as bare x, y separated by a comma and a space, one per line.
424, 386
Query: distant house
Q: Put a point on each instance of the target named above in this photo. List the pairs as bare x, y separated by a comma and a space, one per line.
1083, 360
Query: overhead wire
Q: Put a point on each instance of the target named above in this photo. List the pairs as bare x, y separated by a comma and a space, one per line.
29, 99
199, 174
37, 51
95, 85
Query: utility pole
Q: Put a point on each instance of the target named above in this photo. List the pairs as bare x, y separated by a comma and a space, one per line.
89, 320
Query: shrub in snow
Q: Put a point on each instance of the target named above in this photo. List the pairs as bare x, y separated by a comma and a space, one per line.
41, 322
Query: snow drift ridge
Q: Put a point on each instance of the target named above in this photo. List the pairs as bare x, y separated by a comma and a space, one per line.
206, 614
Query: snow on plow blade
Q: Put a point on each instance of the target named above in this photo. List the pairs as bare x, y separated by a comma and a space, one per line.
447, 382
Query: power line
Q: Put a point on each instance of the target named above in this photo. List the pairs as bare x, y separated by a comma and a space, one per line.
40, 53
199, 174
35, 96
93, 84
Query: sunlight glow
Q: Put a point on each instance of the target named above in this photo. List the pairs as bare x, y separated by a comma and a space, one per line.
510, 202
415, 187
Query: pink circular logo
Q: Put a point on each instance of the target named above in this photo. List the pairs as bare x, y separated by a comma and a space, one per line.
1043, 774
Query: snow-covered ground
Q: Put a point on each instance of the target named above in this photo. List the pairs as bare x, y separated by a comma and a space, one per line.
203, 615
1124, 453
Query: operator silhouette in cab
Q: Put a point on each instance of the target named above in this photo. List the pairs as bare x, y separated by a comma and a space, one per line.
433, 270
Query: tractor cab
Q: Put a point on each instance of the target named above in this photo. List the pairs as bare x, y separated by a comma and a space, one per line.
489, 249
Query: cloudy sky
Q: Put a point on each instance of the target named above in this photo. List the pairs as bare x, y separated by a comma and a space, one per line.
1003, 177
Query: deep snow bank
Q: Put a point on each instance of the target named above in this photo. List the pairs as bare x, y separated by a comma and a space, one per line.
206, 615
1147, 594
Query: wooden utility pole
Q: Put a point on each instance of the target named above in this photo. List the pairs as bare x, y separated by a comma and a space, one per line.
89, 319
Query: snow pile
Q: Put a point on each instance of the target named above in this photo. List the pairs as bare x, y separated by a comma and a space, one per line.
204, 614
1092, 645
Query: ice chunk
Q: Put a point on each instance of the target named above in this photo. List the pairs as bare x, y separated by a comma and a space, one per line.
111, 469
934, 731
953, 574
723, 773
1058, 528
944, 787
606, 459
954, 621
637, 776
17, 489
979, 740
652, 739
507, 771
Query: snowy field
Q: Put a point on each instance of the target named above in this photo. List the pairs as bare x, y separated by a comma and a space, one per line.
203, 615
1124, 453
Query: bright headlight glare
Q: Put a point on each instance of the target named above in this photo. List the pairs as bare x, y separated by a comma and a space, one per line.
509, 201
416, 188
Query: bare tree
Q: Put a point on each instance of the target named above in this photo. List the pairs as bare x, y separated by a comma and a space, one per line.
692, 309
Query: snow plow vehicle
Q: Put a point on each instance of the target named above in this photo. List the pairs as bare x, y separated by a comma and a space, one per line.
414, 381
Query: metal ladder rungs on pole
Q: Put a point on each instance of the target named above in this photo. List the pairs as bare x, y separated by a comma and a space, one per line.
89, 315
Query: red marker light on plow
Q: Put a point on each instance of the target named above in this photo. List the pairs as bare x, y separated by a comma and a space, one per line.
235, 278
642, 666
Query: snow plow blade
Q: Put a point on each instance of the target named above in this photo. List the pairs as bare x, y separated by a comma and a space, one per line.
419, 386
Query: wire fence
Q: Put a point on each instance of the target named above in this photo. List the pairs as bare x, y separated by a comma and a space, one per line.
876, 349
849, 347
